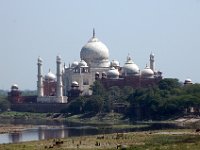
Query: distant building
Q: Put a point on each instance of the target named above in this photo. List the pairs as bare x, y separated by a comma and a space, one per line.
188, 81
15, 96
94, 64
50, 88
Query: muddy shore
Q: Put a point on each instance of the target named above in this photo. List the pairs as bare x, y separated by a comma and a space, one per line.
9, 128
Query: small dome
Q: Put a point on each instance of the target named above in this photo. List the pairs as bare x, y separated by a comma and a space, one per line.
58, 58
115, 63
14, 87
50, 76
188, 81
82, 63
74, 84
113, 73
103, 73
95, 53
130, 68
39, 60
147, 72
152, 54
74, 64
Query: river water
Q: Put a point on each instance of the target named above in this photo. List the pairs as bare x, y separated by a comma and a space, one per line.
48, 130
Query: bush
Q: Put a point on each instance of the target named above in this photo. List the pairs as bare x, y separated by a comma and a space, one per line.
93, 104
4, 104
75, 106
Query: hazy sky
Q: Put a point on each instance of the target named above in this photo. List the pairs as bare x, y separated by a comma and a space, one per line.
47, 28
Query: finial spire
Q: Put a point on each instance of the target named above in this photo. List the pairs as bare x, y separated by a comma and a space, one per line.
93, 32
128, 57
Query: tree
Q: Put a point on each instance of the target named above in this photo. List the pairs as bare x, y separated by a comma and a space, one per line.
4, 104
76, 106
169, 83
93, 104
98, 89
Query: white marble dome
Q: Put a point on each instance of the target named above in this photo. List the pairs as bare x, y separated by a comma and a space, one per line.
188, 81
74, 84
147, 72
82, 63
39, 60
113, 73
130, 68
14, 87
50, 76
74, 64
115, 63
95, 53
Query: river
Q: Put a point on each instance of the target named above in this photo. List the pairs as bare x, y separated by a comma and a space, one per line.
47, 130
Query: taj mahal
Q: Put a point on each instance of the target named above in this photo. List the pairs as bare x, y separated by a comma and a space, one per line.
94, 64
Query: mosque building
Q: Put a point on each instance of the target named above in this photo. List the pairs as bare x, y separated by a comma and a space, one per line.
94, 65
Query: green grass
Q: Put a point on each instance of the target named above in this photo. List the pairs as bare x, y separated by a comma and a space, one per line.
171, 142
134, 141
21, 115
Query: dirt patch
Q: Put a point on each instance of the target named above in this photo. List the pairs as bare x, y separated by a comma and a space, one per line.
8, 128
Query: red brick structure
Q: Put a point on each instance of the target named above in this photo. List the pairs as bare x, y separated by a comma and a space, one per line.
14, 96
49, 84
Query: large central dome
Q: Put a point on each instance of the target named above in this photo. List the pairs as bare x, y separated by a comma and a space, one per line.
95, 53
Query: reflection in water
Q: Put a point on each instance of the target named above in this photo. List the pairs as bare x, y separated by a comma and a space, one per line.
68, 130
48, 132
15, 137
54, 132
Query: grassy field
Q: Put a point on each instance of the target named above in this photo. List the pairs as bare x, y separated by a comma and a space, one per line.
166, 140
22, 115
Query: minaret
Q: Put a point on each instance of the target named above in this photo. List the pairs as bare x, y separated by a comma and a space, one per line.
59, 91
40, 82
152, 62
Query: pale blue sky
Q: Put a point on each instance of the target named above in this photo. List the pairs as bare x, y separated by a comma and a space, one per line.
46, 28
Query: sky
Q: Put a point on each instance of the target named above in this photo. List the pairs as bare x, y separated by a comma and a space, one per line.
47, 28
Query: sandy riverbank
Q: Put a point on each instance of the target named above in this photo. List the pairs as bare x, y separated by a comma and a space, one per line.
10, 128
162, 139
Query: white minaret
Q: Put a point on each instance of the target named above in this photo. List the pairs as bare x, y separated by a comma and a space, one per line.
152, 62
40, 82
59, 91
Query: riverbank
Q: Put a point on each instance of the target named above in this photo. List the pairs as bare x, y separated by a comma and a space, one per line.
18, 121
90, 118
13, 122
162, 139
10, 128
97, 119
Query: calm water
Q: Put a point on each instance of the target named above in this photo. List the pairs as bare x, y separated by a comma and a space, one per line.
48, 130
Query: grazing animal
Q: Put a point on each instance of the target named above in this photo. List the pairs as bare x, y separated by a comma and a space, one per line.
59, 142
119, 146
119, 135
51, 146
97, 143
100, 137
198, 130
122, 147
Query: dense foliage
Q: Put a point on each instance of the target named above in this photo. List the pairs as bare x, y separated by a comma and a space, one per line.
29, 92
168, 99
4, 104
